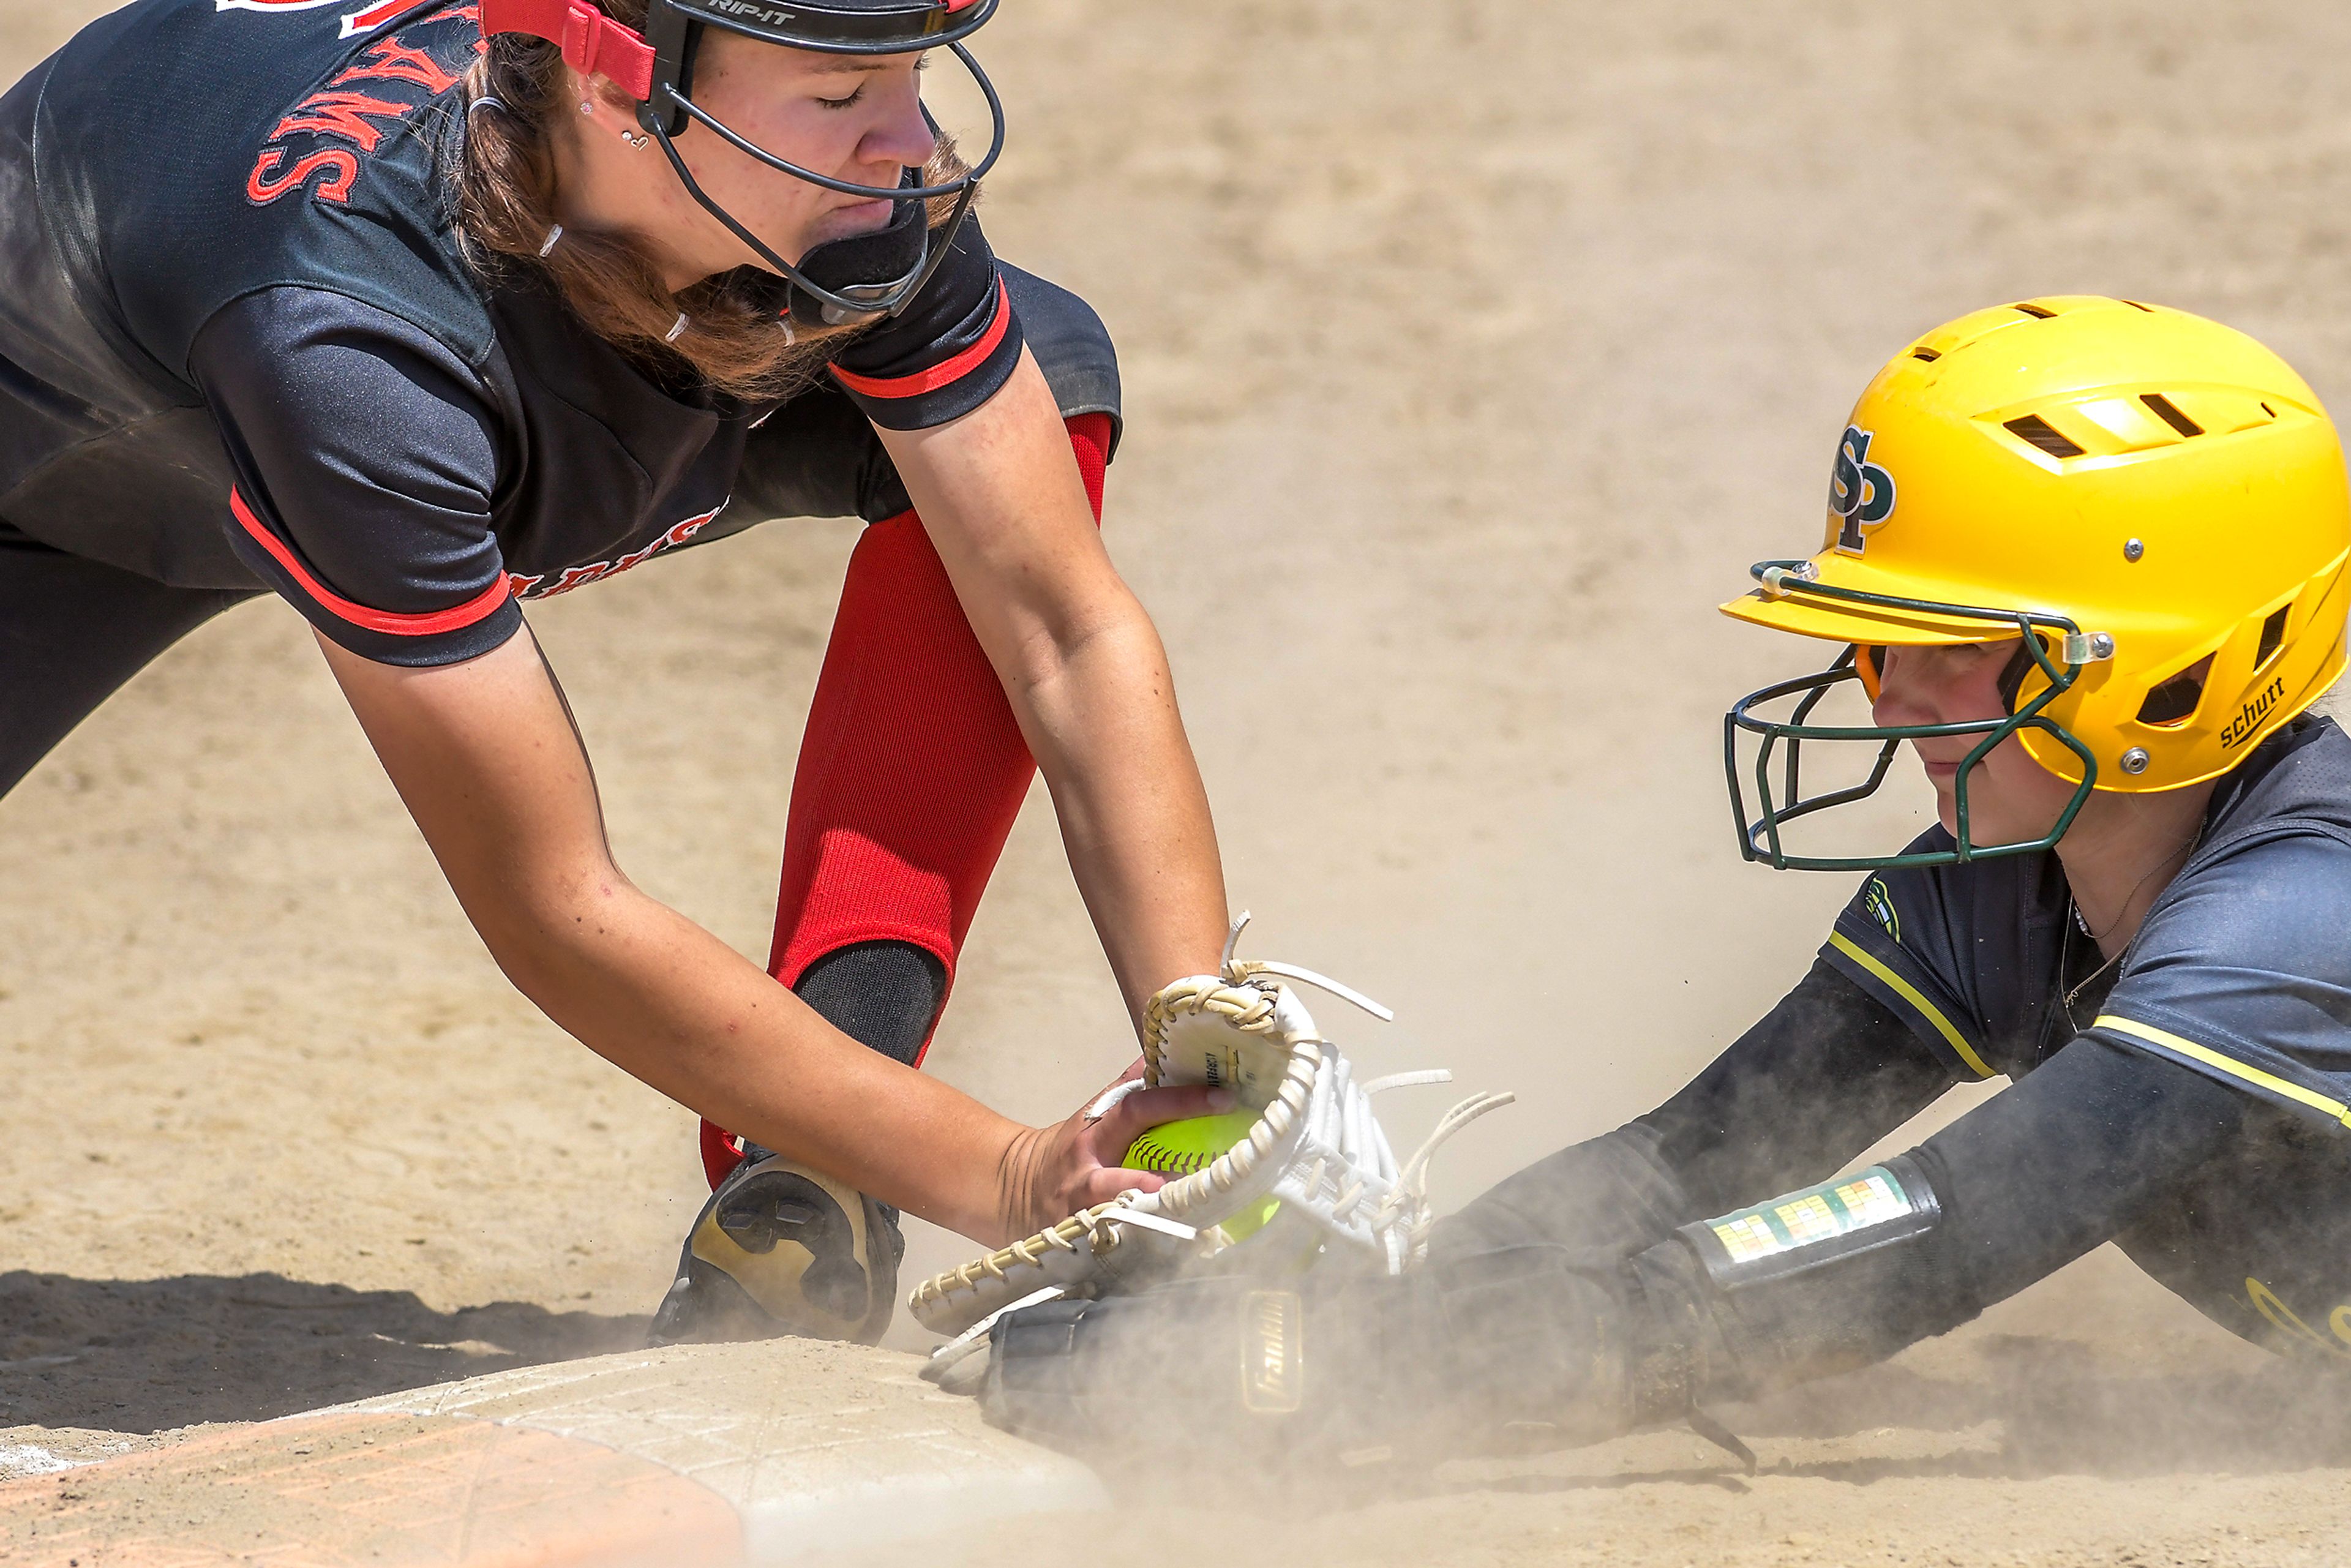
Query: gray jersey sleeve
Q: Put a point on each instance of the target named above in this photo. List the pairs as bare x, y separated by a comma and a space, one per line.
2242, 973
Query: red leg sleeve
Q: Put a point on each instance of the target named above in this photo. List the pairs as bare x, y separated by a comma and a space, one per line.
912, 768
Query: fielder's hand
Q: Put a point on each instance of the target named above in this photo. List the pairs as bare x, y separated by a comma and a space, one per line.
1050, 1172
1313, 1150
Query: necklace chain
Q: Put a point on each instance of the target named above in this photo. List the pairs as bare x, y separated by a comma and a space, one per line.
2074, 907
2066, 1001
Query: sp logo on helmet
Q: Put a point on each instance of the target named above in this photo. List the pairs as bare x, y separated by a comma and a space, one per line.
1860, 491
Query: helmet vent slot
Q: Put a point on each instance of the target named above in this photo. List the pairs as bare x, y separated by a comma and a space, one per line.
2272, 634
2175, 700
2039, 312
2136, 305
2038, 433
2169, 412
1926, 353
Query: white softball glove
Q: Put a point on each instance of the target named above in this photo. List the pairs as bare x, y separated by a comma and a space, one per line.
1315, 1147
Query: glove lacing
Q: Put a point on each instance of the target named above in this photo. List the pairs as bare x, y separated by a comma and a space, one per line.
1246, 1006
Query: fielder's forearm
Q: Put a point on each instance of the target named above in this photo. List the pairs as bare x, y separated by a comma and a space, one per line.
485, 755
1134, 813
665, 1001
1001, 495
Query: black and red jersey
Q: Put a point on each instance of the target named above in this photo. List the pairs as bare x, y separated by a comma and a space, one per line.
233, 295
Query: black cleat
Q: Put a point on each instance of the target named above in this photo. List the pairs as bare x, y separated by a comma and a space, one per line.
779, 1250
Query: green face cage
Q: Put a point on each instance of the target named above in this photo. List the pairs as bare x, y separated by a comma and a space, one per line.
1760, 840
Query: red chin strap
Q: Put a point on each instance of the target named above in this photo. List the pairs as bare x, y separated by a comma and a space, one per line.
593, 44
912, 768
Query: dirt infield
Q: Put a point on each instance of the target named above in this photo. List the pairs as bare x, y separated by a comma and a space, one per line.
1472, 351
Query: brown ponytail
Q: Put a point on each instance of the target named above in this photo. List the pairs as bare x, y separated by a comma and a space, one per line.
506, 209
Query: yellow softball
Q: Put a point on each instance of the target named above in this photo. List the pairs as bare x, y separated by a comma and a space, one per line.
1179, 1148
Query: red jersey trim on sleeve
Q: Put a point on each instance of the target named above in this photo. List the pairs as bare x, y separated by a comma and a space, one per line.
944, 373
455, 619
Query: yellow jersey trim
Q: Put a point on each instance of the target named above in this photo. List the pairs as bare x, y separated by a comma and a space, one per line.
1911, 994
2267, 1082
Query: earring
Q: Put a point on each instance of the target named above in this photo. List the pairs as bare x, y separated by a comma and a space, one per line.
552, 236
635, 139
676, 331
586, 107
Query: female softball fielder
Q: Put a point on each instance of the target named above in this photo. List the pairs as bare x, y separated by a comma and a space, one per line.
414, 312
2088, 558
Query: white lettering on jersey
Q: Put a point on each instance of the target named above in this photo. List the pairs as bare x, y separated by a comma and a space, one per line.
354, 23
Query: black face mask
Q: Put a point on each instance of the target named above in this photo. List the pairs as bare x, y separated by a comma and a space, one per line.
845, 280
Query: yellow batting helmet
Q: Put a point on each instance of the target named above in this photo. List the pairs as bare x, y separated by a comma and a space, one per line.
2154, 502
